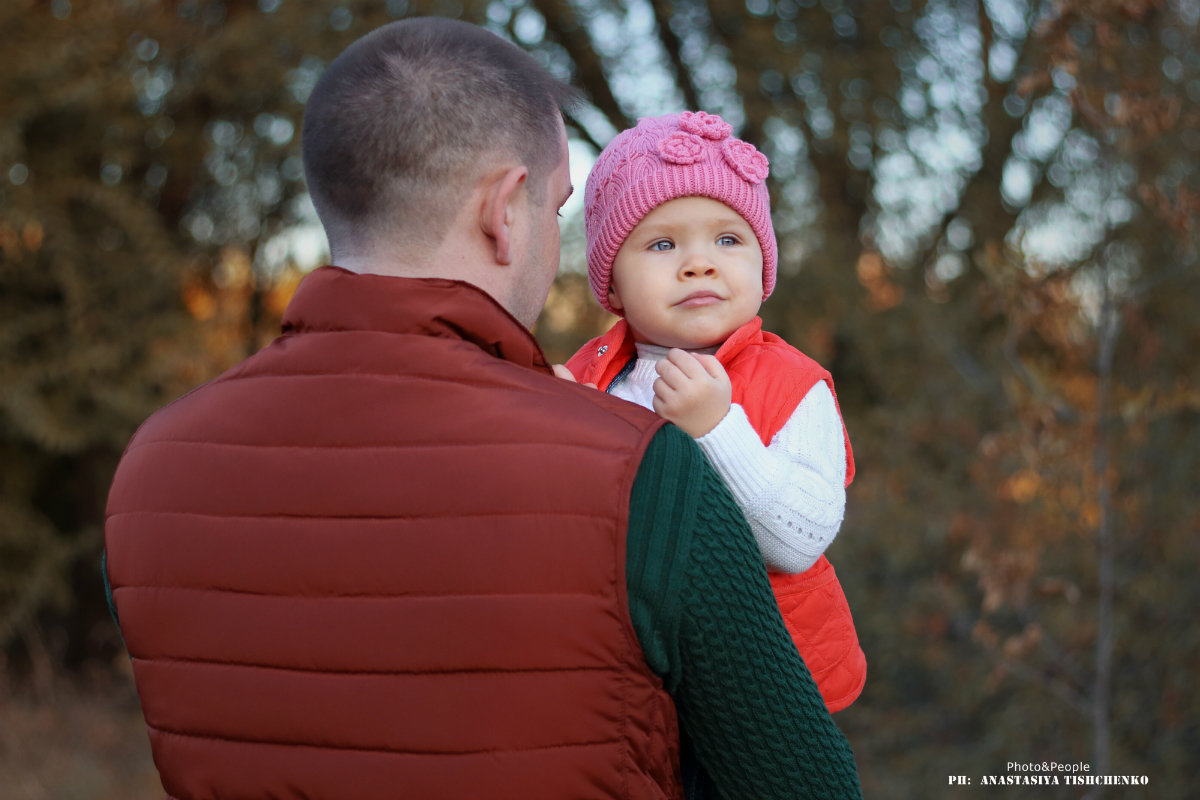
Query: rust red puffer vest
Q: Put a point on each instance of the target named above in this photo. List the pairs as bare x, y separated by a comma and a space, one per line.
770, 378
384, 558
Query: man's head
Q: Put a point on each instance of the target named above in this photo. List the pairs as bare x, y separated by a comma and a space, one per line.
404, 124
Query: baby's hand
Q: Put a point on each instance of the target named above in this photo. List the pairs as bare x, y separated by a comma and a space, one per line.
692, 391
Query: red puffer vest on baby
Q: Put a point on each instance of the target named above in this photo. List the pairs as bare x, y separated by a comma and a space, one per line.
770, 378
385, 557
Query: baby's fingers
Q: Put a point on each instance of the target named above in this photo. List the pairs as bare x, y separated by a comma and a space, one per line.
688, 364
670, 374
713, 367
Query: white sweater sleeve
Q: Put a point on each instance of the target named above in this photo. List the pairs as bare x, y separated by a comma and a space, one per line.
793, 491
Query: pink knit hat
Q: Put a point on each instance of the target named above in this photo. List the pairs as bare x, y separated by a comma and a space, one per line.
659, 159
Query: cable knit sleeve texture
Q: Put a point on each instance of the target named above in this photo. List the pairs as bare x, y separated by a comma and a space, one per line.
793, 492
708, 623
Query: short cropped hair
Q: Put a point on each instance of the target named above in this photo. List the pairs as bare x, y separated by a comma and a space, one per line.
405, 119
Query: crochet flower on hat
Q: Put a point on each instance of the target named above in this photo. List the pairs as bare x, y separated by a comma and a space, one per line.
681, 148
745, 160
701, 123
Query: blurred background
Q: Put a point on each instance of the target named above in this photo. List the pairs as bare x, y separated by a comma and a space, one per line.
988, 218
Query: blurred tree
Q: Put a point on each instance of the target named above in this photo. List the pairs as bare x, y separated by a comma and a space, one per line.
987, 216
150, 193
88, 271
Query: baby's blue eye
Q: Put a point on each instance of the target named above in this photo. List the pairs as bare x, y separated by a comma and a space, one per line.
662, 245
728, 240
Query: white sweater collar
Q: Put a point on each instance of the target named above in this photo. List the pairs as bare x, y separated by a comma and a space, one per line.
655, 353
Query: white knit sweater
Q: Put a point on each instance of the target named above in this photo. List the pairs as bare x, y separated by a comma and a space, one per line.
792, 491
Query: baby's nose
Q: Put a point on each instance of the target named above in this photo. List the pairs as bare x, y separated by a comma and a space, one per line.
696, 267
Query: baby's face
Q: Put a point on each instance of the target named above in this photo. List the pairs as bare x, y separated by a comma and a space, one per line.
689, 274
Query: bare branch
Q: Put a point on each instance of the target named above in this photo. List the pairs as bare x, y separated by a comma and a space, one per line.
976, 204
564, 27
580, 130
674, 49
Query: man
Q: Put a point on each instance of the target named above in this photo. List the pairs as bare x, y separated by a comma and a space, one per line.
392, 556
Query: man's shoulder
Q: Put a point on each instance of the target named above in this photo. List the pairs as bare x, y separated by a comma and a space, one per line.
588, 409
174, 419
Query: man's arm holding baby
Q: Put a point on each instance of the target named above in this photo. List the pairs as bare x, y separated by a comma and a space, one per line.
709, 627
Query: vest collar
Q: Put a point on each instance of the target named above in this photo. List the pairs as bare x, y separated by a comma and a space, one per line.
335, 299
610, 351
737, 341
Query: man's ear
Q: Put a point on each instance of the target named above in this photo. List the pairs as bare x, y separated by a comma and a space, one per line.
496, 217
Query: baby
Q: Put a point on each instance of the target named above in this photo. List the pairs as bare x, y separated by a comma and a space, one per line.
681, 246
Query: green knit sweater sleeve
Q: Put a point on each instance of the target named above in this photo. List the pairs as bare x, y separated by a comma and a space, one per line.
706, 618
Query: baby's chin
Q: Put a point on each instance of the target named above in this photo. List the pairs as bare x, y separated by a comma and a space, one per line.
686, 341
